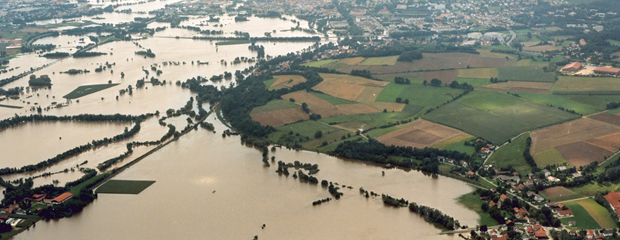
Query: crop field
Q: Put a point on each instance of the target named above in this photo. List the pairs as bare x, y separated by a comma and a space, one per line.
599, 213
608, 118
286, 81
525, 73
431, 61
478, 73
388, 106
407, 111
413, 76
512, 155
583, 104
316, 104
346, 86
515, 86
447, 76
420, 134
389, 60
583, 153
418, 94
570, 132
475, 82
354, 126
559, 193
305, 129
124, 186
374, 119
586, 85
331, 99
581, 217
274, 105
548, 157
280, 117
329, 137
88, 89
354, 109
369, 94
496, 118
459, 146
457, 139
352, 61
319, 63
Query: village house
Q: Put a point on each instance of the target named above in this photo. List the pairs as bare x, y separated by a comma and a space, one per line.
607, 71
59, 199
614, 201
572, 67
565, 213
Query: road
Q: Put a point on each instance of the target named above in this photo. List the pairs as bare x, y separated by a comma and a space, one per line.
513, 35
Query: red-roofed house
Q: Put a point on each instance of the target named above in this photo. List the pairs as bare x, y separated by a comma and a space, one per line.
614, 200
565, 213
572, 67
503, 197
607, 71
60, 199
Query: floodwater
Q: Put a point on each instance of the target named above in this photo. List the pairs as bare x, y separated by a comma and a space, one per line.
208, 187
215, 188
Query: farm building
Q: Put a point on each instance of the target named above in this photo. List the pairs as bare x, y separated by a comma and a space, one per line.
607, 71
572, 67
60, 199
614, 200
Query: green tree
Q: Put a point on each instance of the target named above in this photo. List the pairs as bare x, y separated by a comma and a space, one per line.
318, 134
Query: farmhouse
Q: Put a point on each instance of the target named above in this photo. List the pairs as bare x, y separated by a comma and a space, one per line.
607, 71
60, 199
572, 67
565, 213
614, 200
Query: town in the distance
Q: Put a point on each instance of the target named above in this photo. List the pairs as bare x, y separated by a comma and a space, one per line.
507, 110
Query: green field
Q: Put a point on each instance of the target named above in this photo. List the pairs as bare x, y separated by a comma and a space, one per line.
496, 118
613, 42
488, 100
408, 111
485, 73
331, 99
580, 216
232, 42
124, 186
592, 188
319, 63
10, 106
511, 154
418, 94
389, 60
525, 73
460, 147
304, 128
88, 89
274, 105
583, 104
374, 119
475, 82
269, 82
473, 202
548, 157
586, 85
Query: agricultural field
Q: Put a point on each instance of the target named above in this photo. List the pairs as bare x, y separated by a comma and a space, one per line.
280, 117
525, 73
514, 86
512, 155
420, 133
431, 61
124, 187
446, 76
583, 104
588, 214
457, 146
304, 131
579, 142
475, 82
319, 63
531, 46
317, 105
586, 85
350, 87
418, 94
352, 61
478, 73
389, 60
495, 116
547, 157
413, 76
608, 118
274, 105
375, 119
559, 193
88, 89
286, 81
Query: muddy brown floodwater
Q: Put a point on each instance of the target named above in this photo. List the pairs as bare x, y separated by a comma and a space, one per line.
209, 187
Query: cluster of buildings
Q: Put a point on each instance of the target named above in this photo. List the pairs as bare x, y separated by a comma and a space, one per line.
16, 209
577, 68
